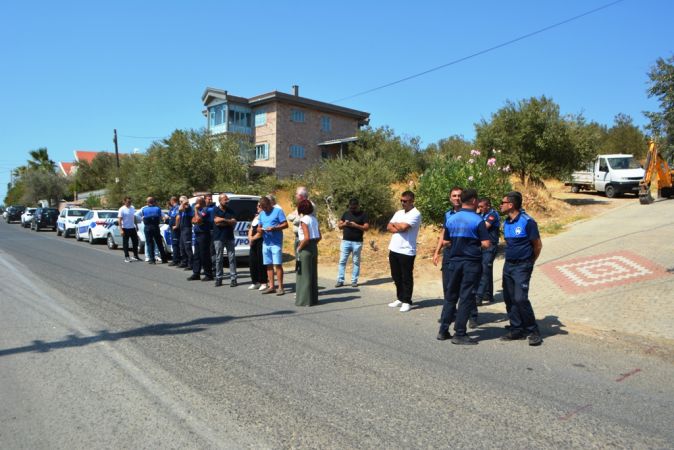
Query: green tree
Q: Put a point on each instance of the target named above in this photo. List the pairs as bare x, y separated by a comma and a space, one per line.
444, 149
43, 185
97, 174
624, 137
536, 141
661, 126
40, 160
398, 154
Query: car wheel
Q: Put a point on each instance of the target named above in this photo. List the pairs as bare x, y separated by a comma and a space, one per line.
610, 191
77, 235
58, 232
91, 238
111, 242
575, 189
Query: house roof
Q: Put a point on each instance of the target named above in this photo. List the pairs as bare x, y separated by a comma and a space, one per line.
86, 155
211, 94
67, 168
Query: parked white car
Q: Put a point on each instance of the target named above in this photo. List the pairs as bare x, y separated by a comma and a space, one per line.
68, 220
27, 217
95, 224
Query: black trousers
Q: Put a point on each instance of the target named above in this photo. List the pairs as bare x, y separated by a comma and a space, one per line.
402, 268
516, 277
175, 246
133, 234
258, 271
186, 247
202, 254
461, 280
153, 237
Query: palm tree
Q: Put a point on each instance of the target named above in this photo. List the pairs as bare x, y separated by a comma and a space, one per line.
40, 160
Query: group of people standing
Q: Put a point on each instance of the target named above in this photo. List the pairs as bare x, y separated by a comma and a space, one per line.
468, 242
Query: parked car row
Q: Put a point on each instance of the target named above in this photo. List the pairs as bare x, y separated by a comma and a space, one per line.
102, 226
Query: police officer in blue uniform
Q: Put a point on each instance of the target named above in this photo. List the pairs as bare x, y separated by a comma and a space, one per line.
152, 217
467, 234
523, 247
175, 231
184, 220
455, 201
201, 225
211, 206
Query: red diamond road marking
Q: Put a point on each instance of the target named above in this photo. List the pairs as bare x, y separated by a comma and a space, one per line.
592, 273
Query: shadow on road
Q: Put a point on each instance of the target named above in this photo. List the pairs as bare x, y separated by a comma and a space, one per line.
377, 281
583, 201
160, 329
348, 298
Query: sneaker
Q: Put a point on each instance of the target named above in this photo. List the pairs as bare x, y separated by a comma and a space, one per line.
443, 336
472, 323
207, 278
281, 292
406, 307
187, 268
268, 291
354, 284
147, 259
535, 339
152, 262
127, 260
135, 258
339, 284
172, 264
233, 283
395, 304
194, 277
478, 302
254, 286
463, 340
218, 283
513, 336
262, 287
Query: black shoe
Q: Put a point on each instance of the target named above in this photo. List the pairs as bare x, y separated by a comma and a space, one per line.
463, 340
233, 283
151, 262
207, 278
443, 336
187, 268
194, 277
478, 302
535, 339
172, 264
218, 283
339, 284
472, 323
513, 336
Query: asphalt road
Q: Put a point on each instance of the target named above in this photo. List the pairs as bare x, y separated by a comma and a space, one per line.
95, 353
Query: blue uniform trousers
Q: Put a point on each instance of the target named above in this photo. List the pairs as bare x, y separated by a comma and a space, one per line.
202, 254
175, 246
460, 280
153, 237
485, 290
516, 278
186, 247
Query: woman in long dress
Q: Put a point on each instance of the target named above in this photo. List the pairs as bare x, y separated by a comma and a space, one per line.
258, 272
307, 252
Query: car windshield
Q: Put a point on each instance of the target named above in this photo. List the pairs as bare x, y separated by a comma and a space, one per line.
244, 210
624, 162
77, 212
107, 215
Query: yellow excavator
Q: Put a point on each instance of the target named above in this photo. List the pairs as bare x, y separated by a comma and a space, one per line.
658, 177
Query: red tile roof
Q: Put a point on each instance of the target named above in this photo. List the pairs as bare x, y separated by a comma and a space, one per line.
66, 168
85, 155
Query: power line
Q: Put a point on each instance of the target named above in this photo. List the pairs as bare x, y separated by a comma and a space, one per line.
482, 52
142, 137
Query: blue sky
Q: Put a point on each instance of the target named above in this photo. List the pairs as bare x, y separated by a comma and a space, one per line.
73, 71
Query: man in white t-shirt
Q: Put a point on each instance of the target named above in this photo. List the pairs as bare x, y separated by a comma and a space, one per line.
128, 228
403, 249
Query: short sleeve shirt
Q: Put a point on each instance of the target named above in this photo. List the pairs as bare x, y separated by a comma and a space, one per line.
186, 218
405, 242
312, 224
353, 234
272, 219
492, 218
465, 230
223, 232
518, 234
128, 216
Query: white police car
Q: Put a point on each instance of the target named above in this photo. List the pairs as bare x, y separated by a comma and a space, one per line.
95, 224
68, 219
27, 217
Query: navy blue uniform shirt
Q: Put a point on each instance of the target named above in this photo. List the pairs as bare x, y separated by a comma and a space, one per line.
152, 215
223, 232
211, 213
465, 229
186, 218
494, 220
173, 212
518, 234
205, 224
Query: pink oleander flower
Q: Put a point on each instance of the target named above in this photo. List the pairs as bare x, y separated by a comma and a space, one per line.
491, 162
471, 178
475, 152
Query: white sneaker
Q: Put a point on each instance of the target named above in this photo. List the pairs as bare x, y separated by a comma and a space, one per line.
406, 307
262, 287
147, 259
254, 286
395, 304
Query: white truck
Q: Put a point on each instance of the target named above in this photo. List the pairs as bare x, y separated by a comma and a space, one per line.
611, 174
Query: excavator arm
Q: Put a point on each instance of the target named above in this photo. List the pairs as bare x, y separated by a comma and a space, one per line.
658, 176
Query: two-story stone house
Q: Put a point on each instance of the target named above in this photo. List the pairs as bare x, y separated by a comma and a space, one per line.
290, 133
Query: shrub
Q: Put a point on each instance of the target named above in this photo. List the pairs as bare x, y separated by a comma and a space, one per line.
479, 171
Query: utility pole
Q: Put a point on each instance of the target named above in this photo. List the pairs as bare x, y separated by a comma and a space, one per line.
114, 139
